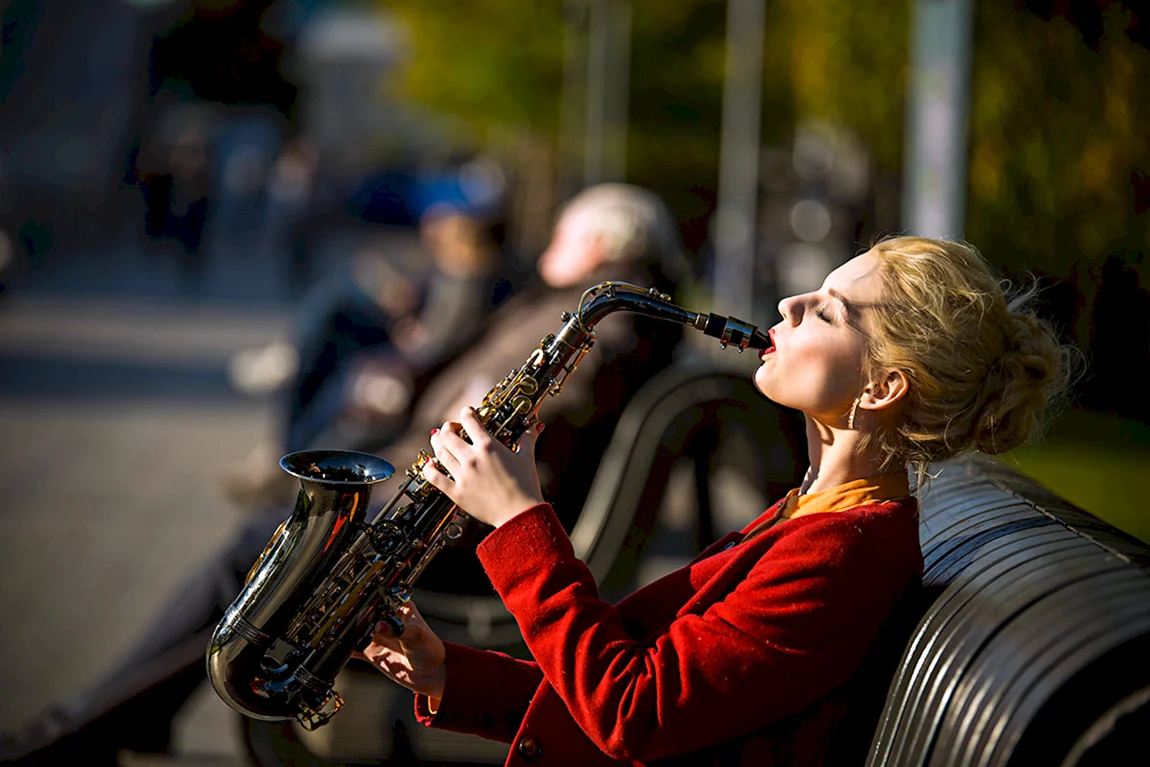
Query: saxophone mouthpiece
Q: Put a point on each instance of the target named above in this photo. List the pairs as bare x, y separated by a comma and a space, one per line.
732, 332
759, 340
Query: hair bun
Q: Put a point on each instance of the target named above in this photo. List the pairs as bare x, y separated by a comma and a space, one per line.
1018, 385
982, 367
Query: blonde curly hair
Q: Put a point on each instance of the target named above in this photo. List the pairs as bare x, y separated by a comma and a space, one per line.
982, 367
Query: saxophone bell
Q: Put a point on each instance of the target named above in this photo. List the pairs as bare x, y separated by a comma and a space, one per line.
263, 660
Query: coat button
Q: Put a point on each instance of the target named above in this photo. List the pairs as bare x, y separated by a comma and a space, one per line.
529, 748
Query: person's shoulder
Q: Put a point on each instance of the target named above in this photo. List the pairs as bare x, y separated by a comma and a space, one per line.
867, 531
898, 514
895, 509
529, 301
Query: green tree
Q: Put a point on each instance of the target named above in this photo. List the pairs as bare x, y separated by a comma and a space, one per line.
1058, 149
495, 64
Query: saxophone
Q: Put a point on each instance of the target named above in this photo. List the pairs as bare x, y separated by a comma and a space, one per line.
328, 577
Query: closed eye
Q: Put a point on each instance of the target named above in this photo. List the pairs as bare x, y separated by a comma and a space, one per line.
822, 315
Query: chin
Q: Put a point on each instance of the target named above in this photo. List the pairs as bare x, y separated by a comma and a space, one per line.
763, 387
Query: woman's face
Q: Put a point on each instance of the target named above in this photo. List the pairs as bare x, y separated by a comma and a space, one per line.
816, 362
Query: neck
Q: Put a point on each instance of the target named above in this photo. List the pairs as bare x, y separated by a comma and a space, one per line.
836, 457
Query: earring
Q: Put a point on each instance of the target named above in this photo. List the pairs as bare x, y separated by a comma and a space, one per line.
851, 417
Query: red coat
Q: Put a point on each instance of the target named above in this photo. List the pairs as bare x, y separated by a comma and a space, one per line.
733, 657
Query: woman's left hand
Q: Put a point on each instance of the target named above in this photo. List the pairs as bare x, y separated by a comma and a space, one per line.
488, 481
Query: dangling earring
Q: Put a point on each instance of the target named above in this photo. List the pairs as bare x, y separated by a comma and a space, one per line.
851, 417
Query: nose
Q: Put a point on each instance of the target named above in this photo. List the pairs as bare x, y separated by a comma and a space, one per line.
791, 310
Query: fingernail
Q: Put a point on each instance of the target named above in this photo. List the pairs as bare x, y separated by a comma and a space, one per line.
538, 428
434, 432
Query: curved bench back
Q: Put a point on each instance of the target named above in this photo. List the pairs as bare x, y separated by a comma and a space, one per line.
1034, 645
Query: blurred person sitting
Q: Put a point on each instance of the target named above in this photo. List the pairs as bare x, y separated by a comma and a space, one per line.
609, 232
369, 332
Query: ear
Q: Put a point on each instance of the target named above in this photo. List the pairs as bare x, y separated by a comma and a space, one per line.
885, 393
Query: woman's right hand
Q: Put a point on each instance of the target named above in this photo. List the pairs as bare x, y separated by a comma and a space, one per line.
416, 660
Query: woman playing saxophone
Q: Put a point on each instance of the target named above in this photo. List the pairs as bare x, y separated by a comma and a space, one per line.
906, 355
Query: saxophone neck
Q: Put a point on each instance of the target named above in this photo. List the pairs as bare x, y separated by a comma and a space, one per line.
559, 355
608, 297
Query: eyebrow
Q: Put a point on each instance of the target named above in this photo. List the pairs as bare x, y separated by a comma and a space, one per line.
854, 316
852, 310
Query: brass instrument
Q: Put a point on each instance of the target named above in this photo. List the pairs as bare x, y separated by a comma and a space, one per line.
328, 576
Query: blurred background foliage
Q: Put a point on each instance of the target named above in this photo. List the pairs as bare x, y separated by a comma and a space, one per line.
494, 64
1059, 162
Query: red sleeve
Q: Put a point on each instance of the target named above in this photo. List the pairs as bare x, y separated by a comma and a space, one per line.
792, 630
486, 694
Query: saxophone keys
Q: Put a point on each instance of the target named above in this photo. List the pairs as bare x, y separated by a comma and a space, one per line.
313, 718
394, 623
421, 460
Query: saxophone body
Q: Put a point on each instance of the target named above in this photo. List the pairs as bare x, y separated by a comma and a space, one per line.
328, 576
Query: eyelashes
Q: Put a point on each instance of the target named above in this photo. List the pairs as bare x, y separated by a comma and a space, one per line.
822, 315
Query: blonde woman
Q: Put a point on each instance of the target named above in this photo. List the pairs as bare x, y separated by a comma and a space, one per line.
908, 354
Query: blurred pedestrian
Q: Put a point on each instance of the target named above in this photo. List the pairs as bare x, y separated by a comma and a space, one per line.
221, 108
174, 178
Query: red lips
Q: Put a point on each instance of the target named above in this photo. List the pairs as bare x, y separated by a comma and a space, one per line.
770, 349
